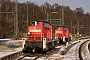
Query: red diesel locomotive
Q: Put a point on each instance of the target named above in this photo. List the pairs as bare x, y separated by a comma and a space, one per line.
40, 37
62, 34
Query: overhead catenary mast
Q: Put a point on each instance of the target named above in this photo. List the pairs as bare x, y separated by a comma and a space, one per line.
16, 28
27, 20
62, 14
0, 13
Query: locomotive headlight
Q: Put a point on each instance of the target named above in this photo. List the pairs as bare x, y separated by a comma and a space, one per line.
28, 33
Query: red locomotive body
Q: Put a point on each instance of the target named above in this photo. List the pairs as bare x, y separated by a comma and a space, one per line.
40, 37
62, 34
40, 30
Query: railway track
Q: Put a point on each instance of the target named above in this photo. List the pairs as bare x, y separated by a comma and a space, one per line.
37, 56
83, 50
30, 57
20, 56
71, 52
12, 56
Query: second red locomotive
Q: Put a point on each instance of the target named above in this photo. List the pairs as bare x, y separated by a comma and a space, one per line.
62, 34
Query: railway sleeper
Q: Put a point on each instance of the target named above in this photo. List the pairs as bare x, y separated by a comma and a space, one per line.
12, 56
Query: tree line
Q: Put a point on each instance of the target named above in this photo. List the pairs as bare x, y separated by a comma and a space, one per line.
35, 13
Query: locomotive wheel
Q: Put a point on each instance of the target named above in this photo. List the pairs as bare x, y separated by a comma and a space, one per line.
24, 51
38, 50
44, 52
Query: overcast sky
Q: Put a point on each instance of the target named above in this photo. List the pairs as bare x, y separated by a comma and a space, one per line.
85, 4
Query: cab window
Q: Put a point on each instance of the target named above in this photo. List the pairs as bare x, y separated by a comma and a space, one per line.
45, 24
50, 26
64, 28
